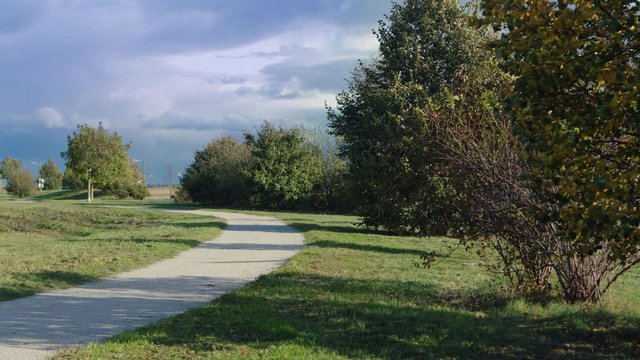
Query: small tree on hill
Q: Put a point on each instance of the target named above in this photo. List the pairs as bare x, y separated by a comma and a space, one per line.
96, 157
52, 175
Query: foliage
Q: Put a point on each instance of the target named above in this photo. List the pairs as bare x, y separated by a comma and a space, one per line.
72, 181
473, 145
219, 173
180, 195
423, 45
332, 190
52, 175
95, 157
575, 107
20, 183
284, 168
130, 184
8, 166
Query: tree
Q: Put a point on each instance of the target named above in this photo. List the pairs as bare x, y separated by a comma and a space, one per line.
8, 166
430, 147
95, 157
20, 183
52, 175
284, 167
332, 189
130, 184
574, 105
424, 44
219, 173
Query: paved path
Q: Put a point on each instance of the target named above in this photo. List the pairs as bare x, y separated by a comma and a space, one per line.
34, 327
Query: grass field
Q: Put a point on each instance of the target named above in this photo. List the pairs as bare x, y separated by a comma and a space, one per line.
355, 294
56, 244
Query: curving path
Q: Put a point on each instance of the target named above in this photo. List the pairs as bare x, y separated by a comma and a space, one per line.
34, 327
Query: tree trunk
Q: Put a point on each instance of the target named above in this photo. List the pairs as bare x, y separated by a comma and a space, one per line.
89, 191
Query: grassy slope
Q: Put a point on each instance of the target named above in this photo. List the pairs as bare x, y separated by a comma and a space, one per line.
57, 244
353, 294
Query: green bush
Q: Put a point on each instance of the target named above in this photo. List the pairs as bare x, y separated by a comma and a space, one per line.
219, 174
21, 183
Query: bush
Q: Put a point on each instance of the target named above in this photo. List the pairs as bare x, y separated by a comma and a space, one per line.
219, 174
21, 183
180, 195
284, 168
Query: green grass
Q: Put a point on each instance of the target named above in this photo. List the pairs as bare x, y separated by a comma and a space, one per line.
355, 294
55, 244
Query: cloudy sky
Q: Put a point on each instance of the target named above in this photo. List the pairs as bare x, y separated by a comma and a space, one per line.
170, 75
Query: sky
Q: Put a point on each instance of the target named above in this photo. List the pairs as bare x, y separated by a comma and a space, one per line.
172, 75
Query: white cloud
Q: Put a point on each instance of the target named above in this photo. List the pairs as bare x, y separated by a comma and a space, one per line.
50, 117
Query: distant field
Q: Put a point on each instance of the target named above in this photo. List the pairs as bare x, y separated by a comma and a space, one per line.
159, 193
55, 244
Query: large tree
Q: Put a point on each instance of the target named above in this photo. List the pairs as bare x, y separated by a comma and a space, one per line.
424, 46
575, 108
284, 167
219, 173
52, 175
96, 158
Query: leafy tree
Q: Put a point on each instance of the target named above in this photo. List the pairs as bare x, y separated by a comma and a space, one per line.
219, 173
130, 184
575, 107
332, 189
400, 185
20, 183
52, 175
95, 157
8, 166
284, 167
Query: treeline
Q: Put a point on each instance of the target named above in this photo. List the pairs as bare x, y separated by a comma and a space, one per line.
274, 168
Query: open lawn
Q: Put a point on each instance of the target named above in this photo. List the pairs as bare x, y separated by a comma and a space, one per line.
56, 244
355, 294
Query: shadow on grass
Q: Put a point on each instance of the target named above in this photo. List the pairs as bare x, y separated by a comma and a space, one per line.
374, 248
188, 242
63, 195
197, 225
386, 319
352, 229
32, 283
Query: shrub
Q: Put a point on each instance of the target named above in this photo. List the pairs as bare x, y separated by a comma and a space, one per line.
219, 174
21, 183
284, 166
